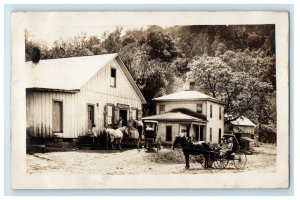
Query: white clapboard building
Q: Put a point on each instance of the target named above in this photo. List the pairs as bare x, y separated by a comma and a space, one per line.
67, 96
202, 116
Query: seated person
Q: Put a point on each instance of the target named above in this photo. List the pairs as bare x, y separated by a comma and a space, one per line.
226, 147
149, 127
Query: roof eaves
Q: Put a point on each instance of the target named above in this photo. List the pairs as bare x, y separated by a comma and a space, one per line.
195, 99
54, 90
175, 120
134, 85
244, 125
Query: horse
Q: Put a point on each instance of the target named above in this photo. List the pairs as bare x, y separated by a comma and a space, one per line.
190, 148
116, 135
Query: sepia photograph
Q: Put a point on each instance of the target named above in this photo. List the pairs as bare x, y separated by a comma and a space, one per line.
142, 99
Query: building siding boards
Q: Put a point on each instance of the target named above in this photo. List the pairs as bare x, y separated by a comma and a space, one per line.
97, 91
244, 129
241, 125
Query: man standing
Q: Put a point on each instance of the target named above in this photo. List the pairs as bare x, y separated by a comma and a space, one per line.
140, 127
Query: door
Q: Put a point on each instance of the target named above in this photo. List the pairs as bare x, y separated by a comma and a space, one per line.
188, 131
202, 133
91, 119
123, 116
168, 133
197, 130
57, 118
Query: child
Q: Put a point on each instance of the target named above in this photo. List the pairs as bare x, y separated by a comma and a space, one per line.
94, 133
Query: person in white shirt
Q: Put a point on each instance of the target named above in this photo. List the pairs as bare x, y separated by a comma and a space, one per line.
140, 126
226, 147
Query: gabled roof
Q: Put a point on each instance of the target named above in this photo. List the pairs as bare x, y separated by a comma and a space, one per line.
65, 73
187, 95
174, 116
70, 74
243, 121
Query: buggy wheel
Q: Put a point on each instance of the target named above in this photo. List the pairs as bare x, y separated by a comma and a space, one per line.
240, 160
221, 162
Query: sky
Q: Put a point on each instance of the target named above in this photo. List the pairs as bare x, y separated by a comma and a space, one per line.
51, 26
68, 32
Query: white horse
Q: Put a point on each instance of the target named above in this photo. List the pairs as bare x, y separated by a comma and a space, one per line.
116, 135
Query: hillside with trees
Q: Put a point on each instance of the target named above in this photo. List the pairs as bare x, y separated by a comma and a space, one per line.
233, 63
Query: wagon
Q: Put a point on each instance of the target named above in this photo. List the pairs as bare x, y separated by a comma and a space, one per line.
150, 139
219, 161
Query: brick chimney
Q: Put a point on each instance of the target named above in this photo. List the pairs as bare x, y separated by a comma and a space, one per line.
192, 85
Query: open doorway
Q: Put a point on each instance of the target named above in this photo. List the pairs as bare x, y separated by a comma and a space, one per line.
202, 134
123, 116
91, 116
197, 132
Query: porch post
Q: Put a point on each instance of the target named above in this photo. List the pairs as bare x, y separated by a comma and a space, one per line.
190, 131
199, 132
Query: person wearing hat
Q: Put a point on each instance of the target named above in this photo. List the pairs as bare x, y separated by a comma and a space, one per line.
226, 147
222, 143
182, 133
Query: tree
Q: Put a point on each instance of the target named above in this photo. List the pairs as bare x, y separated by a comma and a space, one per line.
156, 57
151, 78
112, 41
158, 45
257, 63
239, 91
31, 46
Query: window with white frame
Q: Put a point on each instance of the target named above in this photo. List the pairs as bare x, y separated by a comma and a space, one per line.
113, 77
210, 111
199, 108
220, 112
161, 109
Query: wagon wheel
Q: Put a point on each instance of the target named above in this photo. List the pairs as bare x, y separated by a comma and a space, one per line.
240, 160
221, 162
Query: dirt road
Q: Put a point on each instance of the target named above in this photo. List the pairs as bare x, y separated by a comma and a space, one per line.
137, 162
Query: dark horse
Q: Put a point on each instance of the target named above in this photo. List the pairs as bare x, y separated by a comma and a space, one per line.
190, 148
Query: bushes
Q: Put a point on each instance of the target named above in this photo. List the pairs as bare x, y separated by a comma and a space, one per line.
267, 133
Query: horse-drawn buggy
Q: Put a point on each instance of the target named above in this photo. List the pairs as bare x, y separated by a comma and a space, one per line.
150, 139
218, 157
